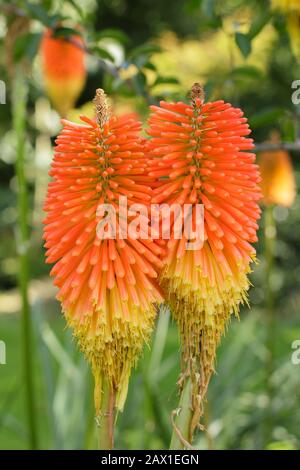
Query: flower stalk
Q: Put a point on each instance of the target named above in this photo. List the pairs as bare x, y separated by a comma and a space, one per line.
270, 241
19, 100
106, 418
182, 419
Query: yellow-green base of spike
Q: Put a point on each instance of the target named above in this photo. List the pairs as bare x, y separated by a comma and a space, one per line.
202, 316
112, 346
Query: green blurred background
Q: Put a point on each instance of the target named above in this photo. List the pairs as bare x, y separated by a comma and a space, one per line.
240, 50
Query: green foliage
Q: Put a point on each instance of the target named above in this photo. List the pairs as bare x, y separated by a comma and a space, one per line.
244, 43
27, 45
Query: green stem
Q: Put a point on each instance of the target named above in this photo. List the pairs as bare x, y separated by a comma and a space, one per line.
270, 241
182, 423
19, 99
90, 435
206, 419
106, 424
152, 378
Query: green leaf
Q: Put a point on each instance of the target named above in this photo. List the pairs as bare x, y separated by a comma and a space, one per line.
139, 81
38, 12
77, 8
213, 22
210, 18
287, 128
103, 53
208, 8
113, 34
259, 23
209, 88
64, 32
161, 80
248, 71
140, 60
27, 45
266, 117
243, 42
145, 49
140, 55
192, 5
150, 66
33, 45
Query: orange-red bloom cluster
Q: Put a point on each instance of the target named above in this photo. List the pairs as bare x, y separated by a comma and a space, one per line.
200, 154
107, 287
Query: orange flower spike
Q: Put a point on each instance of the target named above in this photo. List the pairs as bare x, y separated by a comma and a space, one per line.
107, 287
200, 153
278, 180
63, 69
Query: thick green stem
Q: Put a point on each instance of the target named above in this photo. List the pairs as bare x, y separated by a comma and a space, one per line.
19, 98
270, 240
106, 418
182, 422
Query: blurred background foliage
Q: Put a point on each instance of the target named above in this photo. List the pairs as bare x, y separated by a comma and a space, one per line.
141, 51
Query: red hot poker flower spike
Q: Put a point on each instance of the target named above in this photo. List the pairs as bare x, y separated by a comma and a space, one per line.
107, 287
200, 154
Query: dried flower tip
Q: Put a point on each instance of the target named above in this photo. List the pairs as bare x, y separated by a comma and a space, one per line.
196, 92
101, 107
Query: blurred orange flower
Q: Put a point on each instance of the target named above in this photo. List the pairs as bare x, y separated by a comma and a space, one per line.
63, 69
200, 155
278, 181
107, 287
